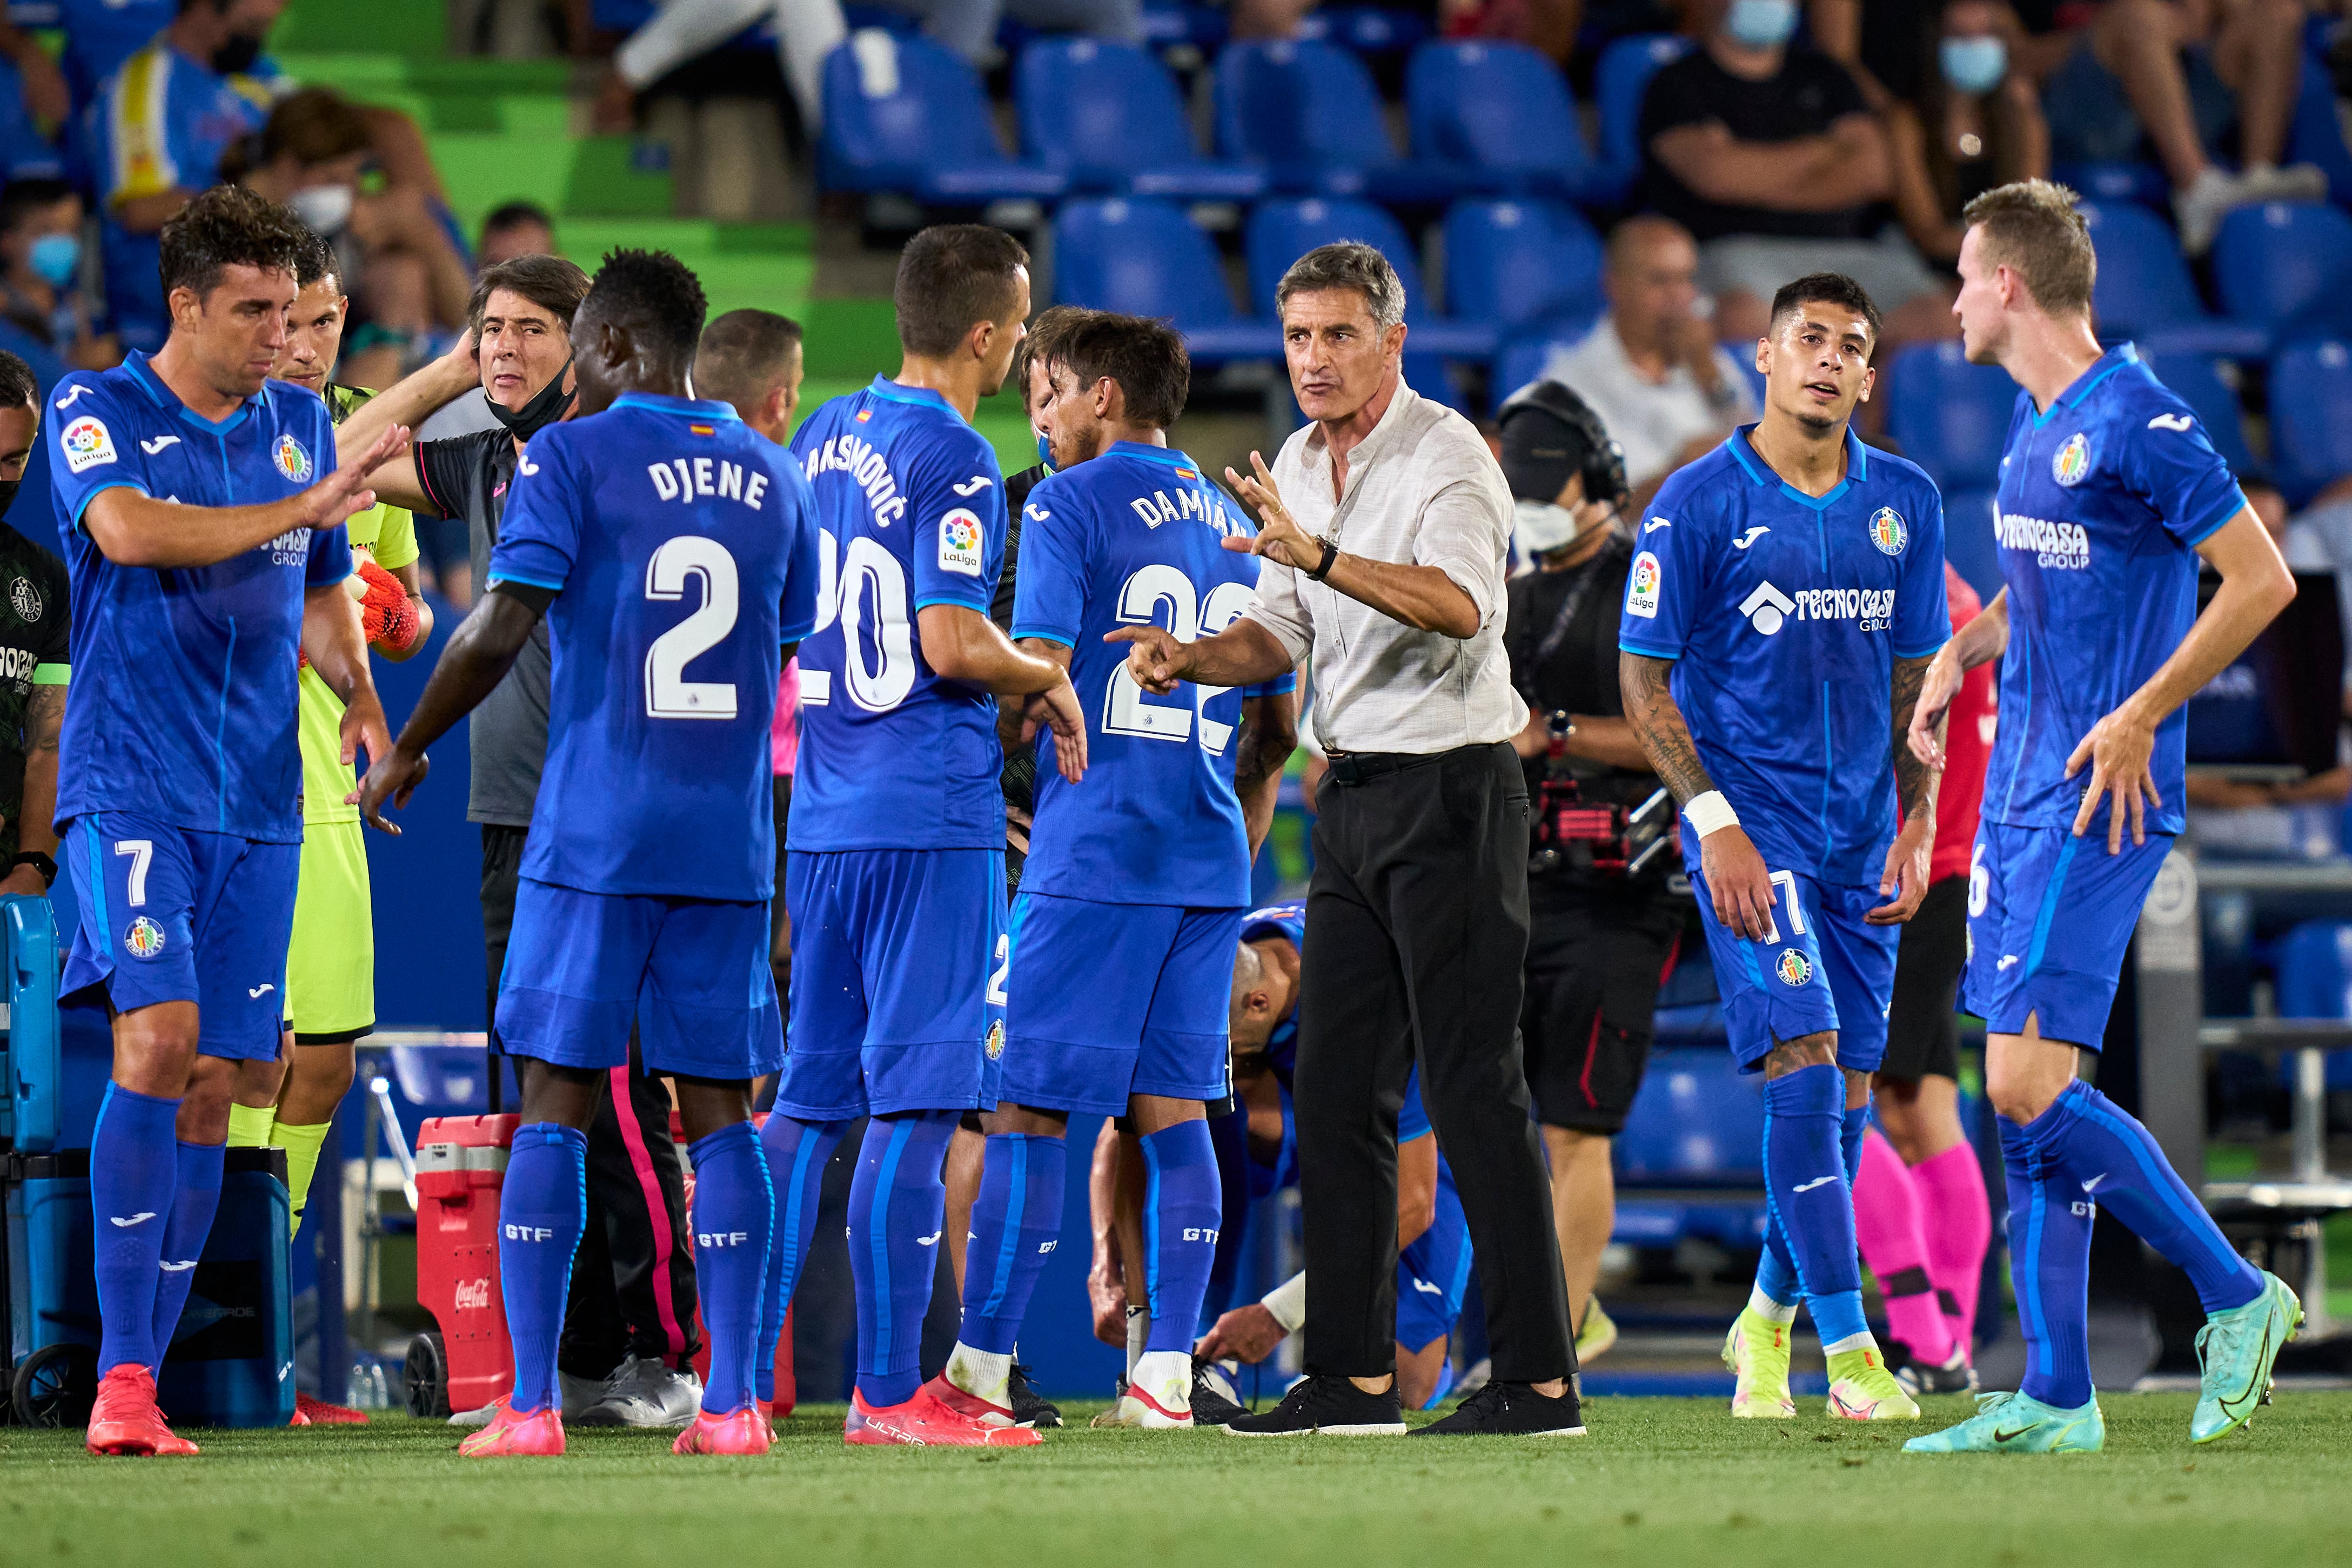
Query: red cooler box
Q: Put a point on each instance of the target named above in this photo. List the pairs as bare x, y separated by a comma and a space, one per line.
461, 1164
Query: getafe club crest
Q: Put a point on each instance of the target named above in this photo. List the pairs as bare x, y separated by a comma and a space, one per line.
2073, 462
1888, 531
292, 461
1794, 968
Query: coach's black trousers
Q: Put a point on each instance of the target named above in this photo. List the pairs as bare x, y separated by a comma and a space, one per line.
1416, 936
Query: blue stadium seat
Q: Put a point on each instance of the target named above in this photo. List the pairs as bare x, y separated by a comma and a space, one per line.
1201, 29
2144, 290
2285, 264
2311, 428
1146, 257
2314, 135
1525, 349
2197, 380
1697, 1121
2314, 980
1618, 83
1308, 112
1969, 541
1107, 115
1502, 114
906, 115
2141, 182
1280, 232
1947, 416
1516, 262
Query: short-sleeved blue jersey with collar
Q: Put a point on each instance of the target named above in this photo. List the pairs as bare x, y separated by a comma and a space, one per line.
910, 509
682, 547
2104, 498
185, 677
1784, 614
1135, 537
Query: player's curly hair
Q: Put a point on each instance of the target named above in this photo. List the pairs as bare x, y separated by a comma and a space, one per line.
652, 294
1147, 358
227, 226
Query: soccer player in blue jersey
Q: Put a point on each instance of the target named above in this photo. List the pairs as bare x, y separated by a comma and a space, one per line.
2110, 494
673, 552
895, 875
205, 535
1133, 895
1778, 619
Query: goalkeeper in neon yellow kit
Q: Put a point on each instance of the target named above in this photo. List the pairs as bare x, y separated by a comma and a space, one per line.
330, 965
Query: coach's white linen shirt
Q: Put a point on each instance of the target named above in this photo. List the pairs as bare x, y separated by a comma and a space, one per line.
1423, 490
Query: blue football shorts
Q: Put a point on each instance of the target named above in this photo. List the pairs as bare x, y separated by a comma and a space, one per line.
692, 973
1433, 1273
1105, 1001
898, 966
1820, 968
2049, 918
172, 914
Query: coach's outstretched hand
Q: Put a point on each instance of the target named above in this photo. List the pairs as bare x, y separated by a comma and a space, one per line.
1157, 660
2118, 748
1737, 881
392, 776
1277, 536
345, 492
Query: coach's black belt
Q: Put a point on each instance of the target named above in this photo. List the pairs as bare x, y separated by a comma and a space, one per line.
1358, 767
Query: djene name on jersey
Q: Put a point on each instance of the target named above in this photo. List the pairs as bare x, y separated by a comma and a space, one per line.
2061, 546
857, 457
682, 480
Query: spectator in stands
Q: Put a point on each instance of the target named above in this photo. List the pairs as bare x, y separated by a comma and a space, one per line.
512, 229
101, 35
35, 83
1969, 121
401, 269
40, 269
968, 27
2154, 77
1766, 152
682, 30
161, 128
1650, 367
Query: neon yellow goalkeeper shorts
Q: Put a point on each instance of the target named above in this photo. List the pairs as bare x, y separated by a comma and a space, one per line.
330, 965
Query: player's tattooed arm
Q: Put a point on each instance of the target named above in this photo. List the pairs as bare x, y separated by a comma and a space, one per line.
1269, 734
45, 718
1658, 724
1905, 880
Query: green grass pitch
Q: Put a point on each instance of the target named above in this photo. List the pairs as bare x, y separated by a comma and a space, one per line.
1659, 1481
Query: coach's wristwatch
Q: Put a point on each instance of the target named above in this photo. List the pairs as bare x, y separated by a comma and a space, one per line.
38, 862
1322, 569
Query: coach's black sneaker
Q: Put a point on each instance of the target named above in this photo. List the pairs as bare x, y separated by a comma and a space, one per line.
1329, 1405
1511, 1410
1030, 1408
1212, 1407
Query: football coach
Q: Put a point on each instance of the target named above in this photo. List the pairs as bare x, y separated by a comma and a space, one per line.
1384, 527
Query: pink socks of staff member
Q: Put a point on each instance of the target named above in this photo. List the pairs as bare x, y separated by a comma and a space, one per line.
1886, 1224
1957, 1221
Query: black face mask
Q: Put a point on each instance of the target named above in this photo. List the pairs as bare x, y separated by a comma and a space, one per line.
237, 55
7, 494
545, 407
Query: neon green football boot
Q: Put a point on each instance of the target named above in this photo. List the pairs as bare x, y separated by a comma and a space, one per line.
1757, 1352
2019, 1424
2235, 1351
1598, 1333
1862, 1389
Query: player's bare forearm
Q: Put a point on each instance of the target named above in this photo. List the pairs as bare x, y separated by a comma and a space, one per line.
1269, 734
131, 528
334, 642
1985, 637
962, 643
1607, 738
2255, 586
1416, 1190
1105, 1286
1916, 781
1244, 654
1657, 722
45, 720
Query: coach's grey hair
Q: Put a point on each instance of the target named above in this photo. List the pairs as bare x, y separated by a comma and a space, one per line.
1347, 264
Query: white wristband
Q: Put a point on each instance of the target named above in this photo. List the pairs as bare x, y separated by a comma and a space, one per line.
1710, 812
1287, 1302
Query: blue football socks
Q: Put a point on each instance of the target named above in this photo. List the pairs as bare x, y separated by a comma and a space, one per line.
541, 1211
1811, 1197
2050, 1265
733, 1214
133, 1167
1015, 1222
197, 1178
797, 1151
2114, 1160
1181, 1216
897, 1213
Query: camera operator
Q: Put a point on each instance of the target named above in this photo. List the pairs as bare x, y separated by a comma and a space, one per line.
1605, 927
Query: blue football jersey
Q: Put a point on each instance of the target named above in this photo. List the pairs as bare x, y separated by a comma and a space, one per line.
1785, 614
682, 547
911, 512
1134, 537
2103, 500
1285, 919
184, 677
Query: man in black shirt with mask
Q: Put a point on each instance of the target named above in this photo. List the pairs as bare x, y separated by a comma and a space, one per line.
1604, 929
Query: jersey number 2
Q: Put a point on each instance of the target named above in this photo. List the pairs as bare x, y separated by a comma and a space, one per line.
669, 694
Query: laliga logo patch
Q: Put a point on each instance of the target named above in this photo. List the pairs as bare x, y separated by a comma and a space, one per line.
1794, 968
1888, 530
1642, 585
144, 939
2073, 463
959, 543
995, 1047
85, 443
291, 459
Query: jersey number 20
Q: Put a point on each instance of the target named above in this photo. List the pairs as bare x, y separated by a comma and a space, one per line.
669, 694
